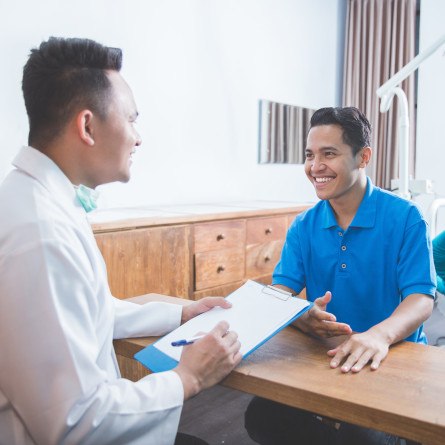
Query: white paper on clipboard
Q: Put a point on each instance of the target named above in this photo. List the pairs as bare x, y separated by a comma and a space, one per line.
258, 312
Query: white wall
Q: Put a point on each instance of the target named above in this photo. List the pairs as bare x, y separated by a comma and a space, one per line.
197, 69
431, 104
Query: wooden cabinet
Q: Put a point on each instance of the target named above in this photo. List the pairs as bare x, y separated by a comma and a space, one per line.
265, 239
194, 255
265, 230
218, 267
145, 260
218, 253
220, 235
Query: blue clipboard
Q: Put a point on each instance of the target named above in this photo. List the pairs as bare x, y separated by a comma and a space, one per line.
159, 357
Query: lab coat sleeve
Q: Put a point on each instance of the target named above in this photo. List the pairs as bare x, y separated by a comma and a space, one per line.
49, 372
141, 320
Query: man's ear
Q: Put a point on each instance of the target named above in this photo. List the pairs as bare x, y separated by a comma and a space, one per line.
364, 156
84, 125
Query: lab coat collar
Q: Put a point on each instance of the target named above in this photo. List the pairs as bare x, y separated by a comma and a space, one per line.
36, 164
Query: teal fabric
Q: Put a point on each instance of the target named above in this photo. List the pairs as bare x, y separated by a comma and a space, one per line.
87, 197
439, 260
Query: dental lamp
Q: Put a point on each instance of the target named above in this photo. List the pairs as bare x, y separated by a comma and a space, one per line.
386, 93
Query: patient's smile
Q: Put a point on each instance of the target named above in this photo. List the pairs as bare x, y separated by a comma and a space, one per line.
324, 179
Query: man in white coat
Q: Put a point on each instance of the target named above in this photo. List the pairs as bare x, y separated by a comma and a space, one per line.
59, 380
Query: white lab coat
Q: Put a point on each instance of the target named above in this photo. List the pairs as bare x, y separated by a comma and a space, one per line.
59, 380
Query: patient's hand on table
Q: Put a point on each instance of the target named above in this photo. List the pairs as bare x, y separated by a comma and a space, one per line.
359, 349
318, 322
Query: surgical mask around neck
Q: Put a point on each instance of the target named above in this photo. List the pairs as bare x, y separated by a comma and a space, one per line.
87, 197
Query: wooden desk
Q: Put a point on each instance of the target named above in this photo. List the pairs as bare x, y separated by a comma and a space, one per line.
406, 396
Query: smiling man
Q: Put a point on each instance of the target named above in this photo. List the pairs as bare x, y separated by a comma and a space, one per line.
59, 379
364, 257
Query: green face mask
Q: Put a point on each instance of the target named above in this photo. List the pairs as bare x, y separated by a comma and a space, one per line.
87, 197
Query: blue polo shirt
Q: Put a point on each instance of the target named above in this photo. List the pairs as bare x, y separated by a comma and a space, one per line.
384, 256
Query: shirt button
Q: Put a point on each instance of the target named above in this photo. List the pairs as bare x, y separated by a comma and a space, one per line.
343, 248
340, 234
343, 266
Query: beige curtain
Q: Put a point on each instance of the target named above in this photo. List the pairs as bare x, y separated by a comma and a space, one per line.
379, 41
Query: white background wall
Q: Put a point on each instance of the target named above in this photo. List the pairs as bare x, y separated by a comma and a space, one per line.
197, 69
431, 106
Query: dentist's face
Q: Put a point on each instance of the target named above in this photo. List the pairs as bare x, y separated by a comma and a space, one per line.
116, 135
330, 164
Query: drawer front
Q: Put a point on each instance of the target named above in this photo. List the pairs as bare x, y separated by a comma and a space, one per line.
261, 259
218, 291
264, 230
216, 268
219, 235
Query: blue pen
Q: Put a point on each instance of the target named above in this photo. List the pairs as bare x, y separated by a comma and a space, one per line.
186, 341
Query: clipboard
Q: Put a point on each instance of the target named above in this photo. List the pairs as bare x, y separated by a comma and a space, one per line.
258, 312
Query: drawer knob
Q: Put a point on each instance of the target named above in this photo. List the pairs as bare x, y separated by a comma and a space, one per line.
268, 231
220, 269
220, 237
266, 259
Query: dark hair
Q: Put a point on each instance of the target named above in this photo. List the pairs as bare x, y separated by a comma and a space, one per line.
356, 128
63, 76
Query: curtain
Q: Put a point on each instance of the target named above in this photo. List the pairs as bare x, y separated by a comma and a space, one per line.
380, 39
283, 132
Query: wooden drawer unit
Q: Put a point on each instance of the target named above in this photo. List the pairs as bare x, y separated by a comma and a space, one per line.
264, 230
148, 260
218, 267
222, 290
219, 253
261, 259
264, 242
219, 235
192, 255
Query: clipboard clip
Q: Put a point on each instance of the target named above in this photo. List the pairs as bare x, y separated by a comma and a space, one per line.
276, 292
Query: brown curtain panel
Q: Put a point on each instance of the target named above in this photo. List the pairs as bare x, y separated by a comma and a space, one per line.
379, 41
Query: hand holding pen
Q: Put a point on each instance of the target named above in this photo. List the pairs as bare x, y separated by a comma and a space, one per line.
208, 359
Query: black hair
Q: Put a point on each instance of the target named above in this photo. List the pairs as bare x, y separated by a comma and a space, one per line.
356, 128
62, 77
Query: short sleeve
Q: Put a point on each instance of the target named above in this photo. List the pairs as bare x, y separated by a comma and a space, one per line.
415, 268
289, 271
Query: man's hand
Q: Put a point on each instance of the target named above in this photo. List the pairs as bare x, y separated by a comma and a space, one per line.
208, 360
318, 322
359, 349
373, 345
203, 305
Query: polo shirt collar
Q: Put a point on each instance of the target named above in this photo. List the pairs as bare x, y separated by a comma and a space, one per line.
366, 212
328, 218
